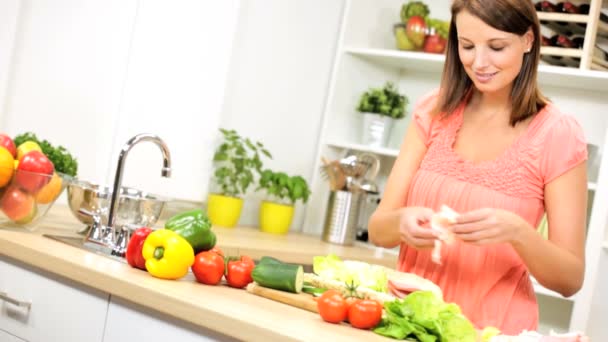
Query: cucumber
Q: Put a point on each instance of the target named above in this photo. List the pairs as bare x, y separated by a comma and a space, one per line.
270, 260
279, 276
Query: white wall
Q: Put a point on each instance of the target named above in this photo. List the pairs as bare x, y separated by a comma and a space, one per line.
89, 74
278, 81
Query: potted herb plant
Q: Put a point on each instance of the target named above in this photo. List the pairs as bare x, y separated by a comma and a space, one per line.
380, 107
276, 213
237, 161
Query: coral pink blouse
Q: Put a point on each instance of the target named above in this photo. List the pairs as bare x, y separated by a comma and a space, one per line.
491, 284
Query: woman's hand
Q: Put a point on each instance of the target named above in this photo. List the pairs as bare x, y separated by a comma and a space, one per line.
488, 226
411, 229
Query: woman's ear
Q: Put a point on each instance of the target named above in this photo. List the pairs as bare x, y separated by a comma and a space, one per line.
528, 40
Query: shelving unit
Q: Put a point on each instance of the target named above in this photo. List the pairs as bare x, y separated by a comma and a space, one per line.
571, 23
366, 56
548, 74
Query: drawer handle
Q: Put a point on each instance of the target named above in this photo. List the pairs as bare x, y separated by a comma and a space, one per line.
20, 303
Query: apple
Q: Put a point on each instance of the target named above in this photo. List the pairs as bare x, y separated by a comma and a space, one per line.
7, 142
403, 43
18, 205
416, 30
26, 147
434, 44
34, 171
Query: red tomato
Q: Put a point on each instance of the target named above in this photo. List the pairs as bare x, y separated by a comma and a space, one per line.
208, 268
217, 250
350, 301
34, 171
365, 314
238, 272
332, 307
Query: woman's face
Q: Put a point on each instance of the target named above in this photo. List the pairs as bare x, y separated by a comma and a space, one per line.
490, 57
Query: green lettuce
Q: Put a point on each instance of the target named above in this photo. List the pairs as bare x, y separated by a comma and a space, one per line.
352, 272
425, 317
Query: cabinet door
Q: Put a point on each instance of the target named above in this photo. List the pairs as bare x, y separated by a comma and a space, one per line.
129, 322
6, 337
60, 310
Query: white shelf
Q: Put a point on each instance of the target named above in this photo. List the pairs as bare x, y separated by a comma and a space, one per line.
541, 290
605, 245
558, 51
592, 186
383, 151
566, 17
426, 62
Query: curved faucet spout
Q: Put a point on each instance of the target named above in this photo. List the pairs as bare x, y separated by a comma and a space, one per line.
165, 172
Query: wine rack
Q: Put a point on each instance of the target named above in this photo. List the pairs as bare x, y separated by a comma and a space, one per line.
570, 19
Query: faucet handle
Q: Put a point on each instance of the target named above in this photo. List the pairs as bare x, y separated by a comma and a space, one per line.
120, 247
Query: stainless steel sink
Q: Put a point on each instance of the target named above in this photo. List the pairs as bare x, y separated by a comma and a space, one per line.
80, 242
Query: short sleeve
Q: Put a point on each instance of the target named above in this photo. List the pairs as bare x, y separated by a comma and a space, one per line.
423, 119
565, 148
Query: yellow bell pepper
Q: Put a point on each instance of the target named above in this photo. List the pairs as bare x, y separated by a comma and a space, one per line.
167, 254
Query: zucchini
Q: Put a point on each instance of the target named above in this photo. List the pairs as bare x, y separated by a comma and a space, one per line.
279, 276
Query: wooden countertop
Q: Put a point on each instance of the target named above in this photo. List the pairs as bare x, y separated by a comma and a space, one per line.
232, 312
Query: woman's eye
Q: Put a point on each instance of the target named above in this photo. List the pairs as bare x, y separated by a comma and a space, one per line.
467, 47
500, 48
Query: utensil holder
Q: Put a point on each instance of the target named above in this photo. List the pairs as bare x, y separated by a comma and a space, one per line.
342, 217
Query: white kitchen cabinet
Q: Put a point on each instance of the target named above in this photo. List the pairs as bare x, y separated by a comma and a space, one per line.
6, 337
60, 310
131, 322
366, 57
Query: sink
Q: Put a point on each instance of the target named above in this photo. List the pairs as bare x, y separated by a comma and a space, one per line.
79, 242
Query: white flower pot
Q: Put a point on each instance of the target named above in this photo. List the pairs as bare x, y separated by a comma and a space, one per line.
376, 129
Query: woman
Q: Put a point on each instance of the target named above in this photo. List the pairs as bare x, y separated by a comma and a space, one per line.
489, 145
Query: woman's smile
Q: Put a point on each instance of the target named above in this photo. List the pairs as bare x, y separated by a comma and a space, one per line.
485, 77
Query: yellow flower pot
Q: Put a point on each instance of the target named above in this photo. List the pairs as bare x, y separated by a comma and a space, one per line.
275, 218
224, 211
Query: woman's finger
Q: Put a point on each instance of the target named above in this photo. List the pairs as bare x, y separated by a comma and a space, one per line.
465, 228
478, 235
473, 216
422, 243
423, 233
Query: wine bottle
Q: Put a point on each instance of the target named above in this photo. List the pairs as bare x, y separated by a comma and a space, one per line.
545, 6
568, 7
578, 41
583, 8
561, 40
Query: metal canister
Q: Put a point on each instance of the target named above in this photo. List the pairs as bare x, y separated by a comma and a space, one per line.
341, 218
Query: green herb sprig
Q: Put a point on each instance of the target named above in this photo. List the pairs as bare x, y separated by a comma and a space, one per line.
63, 161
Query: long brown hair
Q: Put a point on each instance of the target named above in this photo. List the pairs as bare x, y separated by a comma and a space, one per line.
514, 16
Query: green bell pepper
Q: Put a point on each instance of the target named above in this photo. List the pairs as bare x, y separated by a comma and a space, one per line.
195, 227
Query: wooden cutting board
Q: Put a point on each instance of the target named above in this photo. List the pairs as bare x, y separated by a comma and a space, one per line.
300, 300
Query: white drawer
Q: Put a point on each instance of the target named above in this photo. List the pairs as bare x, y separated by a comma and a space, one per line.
60, 310
6, 337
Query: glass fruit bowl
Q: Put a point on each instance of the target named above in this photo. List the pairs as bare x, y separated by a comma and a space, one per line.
25, 197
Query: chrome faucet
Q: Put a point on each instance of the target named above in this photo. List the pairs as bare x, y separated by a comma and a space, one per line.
108, 236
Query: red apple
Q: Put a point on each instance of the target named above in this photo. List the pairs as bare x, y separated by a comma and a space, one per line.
434, 44
18, 205
7, 142
415, 29
34, 171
